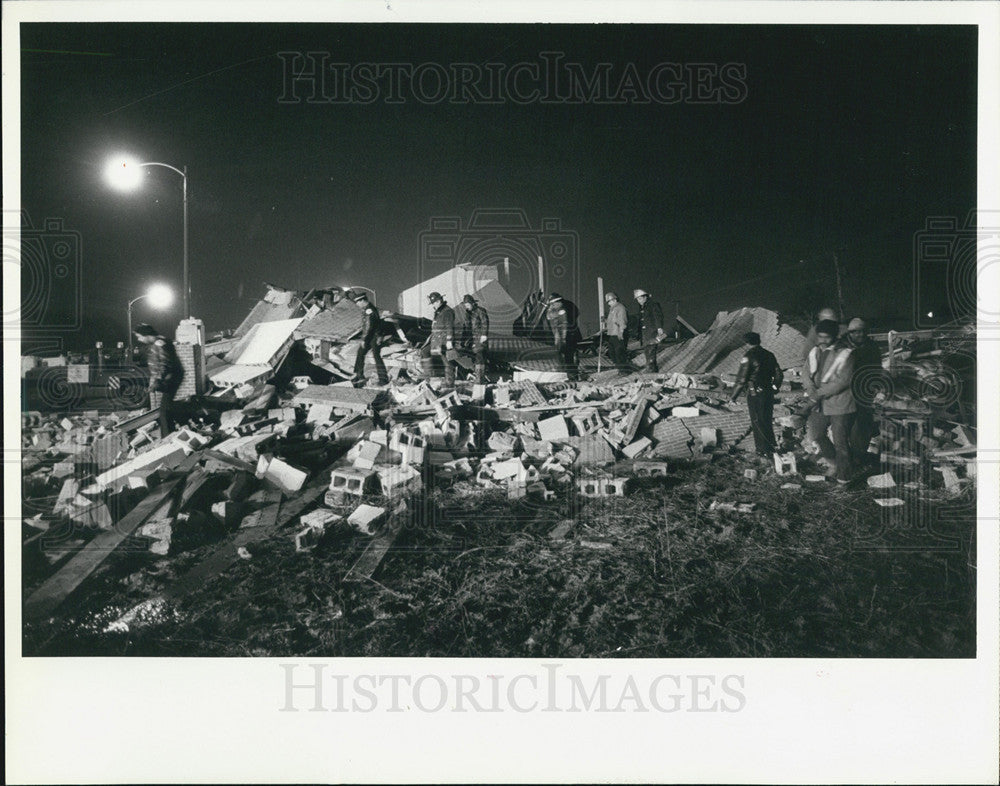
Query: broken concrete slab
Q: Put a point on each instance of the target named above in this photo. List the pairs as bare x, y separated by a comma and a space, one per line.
553, 429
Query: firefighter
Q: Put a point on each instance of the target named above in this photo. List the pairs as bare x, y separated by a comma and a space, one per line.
442, 340
370, 341
165, 372
475, 335
563, 316
651, 331
760, 375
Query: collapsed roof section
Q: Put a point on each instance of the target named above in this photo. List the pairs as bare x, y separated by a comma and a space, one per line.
480, 281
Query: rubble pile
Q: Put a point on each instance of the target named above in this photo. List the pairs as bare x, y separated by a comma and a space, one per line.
301, 456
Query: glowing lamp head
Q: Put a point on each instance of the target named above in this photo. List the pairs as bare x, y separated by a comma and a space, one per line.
123, 173
160, 296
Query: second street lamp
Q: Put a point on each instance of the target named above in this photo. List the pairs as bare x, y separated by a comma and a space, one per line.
159, 296
126, 174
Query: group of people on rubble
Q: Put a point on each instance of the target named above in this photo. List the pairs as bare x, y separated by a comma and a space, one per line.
840, 417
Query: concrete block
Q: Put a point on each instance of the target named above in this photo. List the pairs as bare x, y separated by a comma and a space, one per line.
168, 454
286, 477
398, 479
587, 422
368, 454
502, 442
650, 469
347, 480
638, 447
366, 518
602, 487
685, 412
709, 437
884, 481
553, 429
412, 447
784, 464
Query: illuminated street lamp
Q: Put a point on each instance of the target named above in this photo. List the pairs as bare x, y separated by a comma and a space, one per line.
125, 174
160, 296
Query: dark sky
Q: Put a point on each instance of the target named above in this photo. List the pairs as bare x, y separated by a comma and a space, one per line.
815, 140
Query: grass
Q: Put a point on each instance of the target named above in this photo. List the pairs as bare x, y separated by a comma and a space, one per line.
815, 572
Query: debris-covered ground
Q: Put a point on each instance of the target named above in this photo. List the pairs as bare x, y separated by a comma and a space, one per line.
622, 516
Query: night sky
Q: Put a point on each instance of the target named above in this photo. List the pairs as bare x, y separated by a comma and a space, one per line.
734, 191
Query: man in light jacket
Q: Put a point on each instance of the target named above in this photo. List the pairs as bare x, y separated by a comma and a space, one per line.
827, 380
616, 325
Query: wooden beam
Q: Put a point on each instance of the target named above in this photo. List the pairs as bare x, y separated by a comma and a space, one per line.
47, 598
372, 556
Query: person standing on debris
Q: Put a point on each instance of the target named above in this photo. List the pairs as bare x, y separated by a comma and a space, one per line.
867, 363
616, 325
824, 314
651, 331
760, 375
475, 335
827, 380
370, 338
165, 372
442, 340
564, 317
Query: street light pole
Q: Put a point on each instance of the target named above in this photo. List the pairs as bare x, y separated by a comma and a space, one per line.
122, 173
187, 285
130, 304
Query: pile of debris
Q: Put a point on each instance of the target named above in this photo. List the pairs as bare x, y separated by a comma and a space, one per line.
270, 451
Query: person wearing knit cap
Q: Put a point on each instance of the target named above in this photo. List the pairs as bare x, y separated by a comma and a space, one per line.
823, 314
827, 380
165, 372
616, 325
760, 375
475, 335
651, 331
864, 383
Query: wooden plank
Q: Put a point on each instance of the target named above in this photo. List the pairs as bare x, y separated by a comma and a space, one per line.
139, 420
226, 553
372, 556
58, 587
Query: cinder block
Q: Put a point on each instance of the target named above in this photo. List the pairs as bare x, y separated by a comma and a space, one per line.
685, 412
357, 482
398, 479
366, 518
587, 422
636, 448
650, 469
784, 464
412, 447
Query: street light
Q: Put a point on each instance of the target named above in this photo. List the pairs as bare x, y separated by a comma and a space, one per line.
126, 174
160, 296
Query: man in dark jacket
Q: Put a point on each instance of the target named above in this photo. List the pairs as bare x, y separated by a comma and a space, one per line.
370, 340
867, 373
476, 335
564, 318
442, 340
760, 376
165, 372
651, 331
